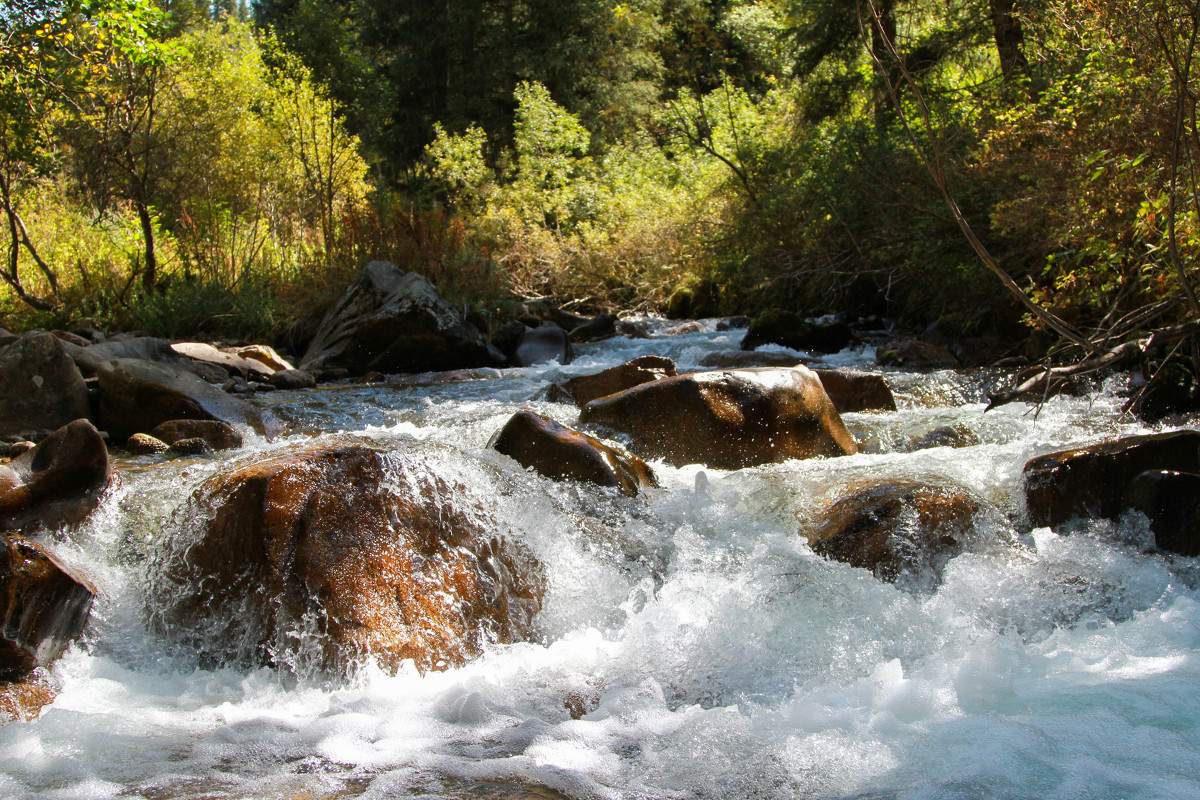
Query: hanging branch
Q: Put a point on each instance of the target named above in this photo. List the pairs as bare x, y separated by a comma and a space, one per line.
934, 165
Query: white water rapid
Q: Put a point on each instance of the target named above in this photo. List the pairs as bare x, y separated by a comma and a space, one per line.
706, 651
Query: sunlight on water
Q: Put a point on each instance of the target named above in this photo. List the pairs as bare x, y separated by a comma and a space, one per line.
691, 645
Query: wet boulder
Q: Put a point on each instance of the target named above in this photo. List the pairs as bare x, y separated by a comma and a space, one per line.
583, 389
727, 420
40, 387
136, 396
43, 606
143, 444
900, 530
1171, 501
1092, 481
22, 700
57, 483
218, 435
776, 326
390, 321
540, 345
853, 390
560, 453
368, 550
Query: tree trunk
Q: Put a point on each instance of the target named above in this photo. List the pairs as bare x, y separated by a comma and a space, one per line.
883, 32
150, 271
1010, 38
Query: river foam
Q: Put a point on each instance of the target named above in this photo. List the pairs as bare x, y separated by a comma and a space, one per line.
691, 644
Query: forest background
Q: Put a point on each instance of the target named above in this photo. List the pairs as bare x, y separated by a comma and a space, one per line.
190, 169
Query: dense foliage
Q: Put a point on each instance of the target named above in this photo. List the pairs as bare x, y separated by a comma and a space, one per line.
939, 162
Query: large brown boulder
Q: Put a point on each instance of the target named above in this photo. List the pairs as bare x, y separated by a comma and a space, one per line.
1092, 481
727, 420
136, 396
43, 606
40, 387
853, 390
375, 561
583, 389
897, 529
560, 453
390, 321
57, 483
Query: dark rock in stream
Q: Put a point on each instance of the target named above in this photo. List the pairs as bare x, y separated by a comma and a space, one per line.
583, 389
727, 420
776, 326
218, 435
559, 453
374, 561
137, 396
43, 606
391, 321
1092, 481
853, 390
40, 386
540, 345
59, 482
1171, 501
900, 530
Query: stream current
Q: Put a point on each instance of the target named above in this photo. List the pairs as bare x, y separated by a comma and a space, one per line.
690, 644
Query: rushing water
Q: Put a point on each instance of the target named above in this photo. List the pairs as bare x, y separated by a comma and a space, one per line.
706, 651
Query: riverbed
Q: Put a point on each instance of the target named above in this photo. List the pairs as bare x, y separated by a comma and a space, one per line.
690, 644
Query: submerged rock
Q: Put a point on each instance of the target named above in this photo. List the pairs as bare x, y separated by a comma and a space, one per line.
43, 606
583, 389
137, 396
727, 420
1092, 481
40, 386
59, 482
373, 559
560, 453
391, 321
897, 529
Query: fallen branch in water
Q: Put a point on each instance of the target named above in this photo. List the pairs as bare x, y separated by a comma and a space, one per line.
1045, 381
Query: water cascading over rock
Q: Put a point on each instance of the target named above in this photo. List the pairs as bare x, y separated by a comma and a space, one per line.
367, 551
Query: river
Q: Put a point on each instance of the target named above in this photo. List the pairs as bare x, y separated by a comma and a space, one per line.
705, 650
